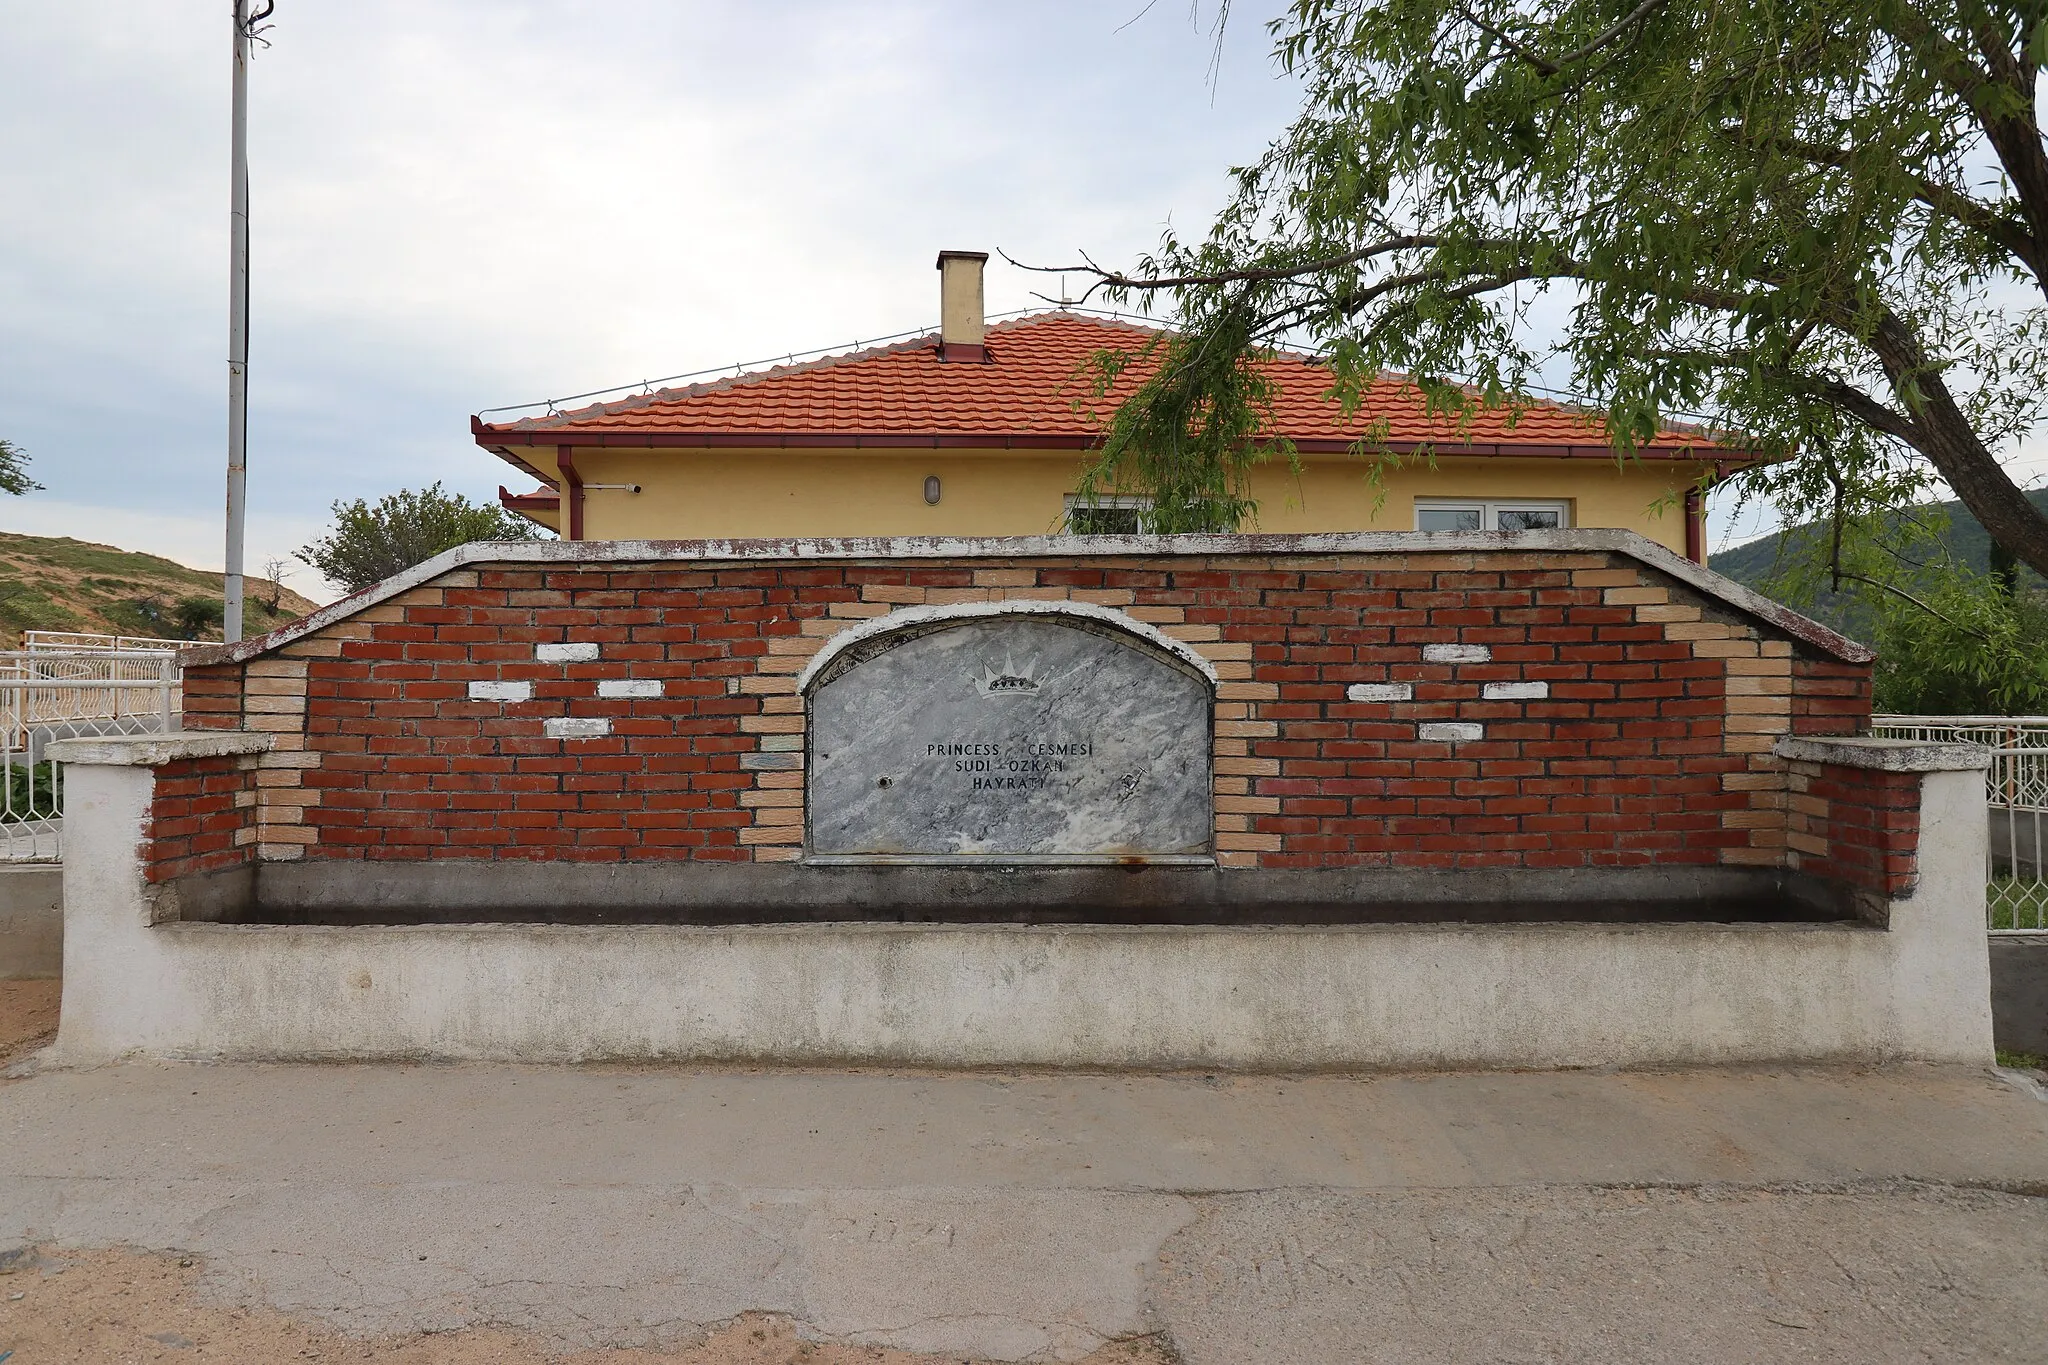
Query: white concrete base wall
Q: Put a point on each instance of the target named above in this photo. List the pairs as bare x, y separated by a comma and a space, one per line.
1270, 998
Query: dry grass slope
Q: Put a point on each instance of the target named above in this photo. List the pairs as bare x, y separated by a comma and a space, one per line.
53, 583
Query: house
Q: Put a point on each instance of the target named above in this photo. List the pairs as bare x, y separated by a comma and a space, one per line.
983, 430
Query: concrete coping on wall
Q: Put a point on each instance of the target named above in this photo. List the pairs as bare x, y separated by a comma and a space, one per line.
579, 553
147, 751
1886, 755
909, 617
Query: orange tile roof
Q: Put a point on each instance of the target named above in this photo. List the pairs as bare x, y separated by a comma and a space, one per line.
1031, 392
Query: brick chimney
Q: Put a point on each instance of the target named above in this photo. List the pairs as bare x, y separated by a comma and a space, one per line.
962, 315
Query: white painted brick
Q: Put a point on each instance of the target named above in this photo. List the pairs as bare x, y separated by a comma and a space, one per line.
1457, 654
1515, 691
576, 727
629, 687
1381, 692
501, 691
1450, 732
581, 653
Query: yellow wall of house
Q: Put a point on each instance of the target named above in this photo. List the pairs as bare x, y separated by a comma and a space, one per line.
692, 494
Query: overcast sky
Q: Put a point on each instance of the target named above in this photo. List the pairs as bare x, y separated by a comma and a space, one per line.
470, 203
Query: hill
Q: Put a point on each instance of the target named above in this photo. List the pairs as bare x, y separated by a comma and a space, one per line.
1758, 563
56, 583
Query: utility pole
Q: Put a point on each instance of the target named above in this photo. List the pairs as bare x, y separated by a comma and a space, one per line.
238, 321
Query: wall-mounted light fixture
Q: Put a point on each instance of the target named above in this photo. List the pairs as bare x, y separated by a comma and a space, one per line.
931, 489
620, 487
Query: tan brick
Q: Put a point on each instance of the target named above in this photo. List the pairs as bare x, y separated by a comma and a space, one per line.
275, 706
772, 725
782, 663
823, 626
1253, 729
779, 778
1723, 649
782, 706
1755, 725
1747, 743
755, 835
1232, 710
1778, 649
1231, 746
1247, 691
952, 597
283, 723
767, 684
1192, 635
1030, 594
1807, 843
805, 645
853, 610
1159, 616
1106, 597
294, 759
1605, 578
778, 817
1752, 819
1232, 670
1248, 843
1005, 578
1760, 668
763, 797
1234, 822
1705, 630
288, 834
1635, 597
273, 667
900, 593
1249, 767
1667, 612
1229, 859
778, 853
1758, 706
1753, 782
274, 778
1249, 805
245, 799
321, 646
1232, 786
279, 853
1808, 805
1216, 651
245, 836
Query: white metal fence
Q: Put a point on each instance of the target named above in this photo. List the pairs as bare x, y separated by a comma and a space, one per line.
64, 687
2016, 788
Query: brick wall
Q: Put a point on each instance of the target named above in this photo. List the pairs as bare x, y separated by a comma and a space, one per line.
1857, 826
1538, 709
202, 816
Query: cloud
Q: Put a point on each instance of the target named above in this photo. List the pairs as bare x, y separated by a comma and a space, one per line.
488, 201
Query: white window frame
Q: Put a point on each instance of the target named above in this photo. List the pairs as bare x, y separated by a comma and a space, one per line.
1141, 505
1489, 509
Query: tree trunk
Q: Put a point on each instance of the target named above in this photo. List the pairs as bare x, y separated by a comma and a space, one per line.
1944, 435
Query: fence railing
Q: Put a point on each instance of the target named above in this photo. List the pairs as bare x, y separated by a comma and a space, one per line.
2016, 791
49, 693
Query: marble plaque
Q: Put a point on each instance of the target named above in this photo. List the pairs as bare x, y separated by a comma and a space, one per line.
1039, 738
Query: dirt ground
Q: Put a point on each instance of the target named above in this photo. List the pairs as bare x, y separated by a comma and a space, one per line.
28, 1018
61, 1307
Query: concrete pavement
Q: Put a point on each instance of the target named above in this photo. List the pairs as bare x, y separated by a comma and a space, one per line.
1704, 1215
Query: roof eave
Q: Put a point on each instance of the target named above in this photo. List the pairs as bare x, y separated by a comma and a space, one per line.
498, 440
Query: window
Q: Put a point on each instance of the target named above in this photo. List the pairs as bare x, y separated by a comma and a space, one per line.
1106, 516
1446, 514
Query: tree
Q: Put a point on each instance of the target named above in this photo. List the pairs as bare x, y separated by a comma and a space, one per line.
367, 544
14, 470
1823, 224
